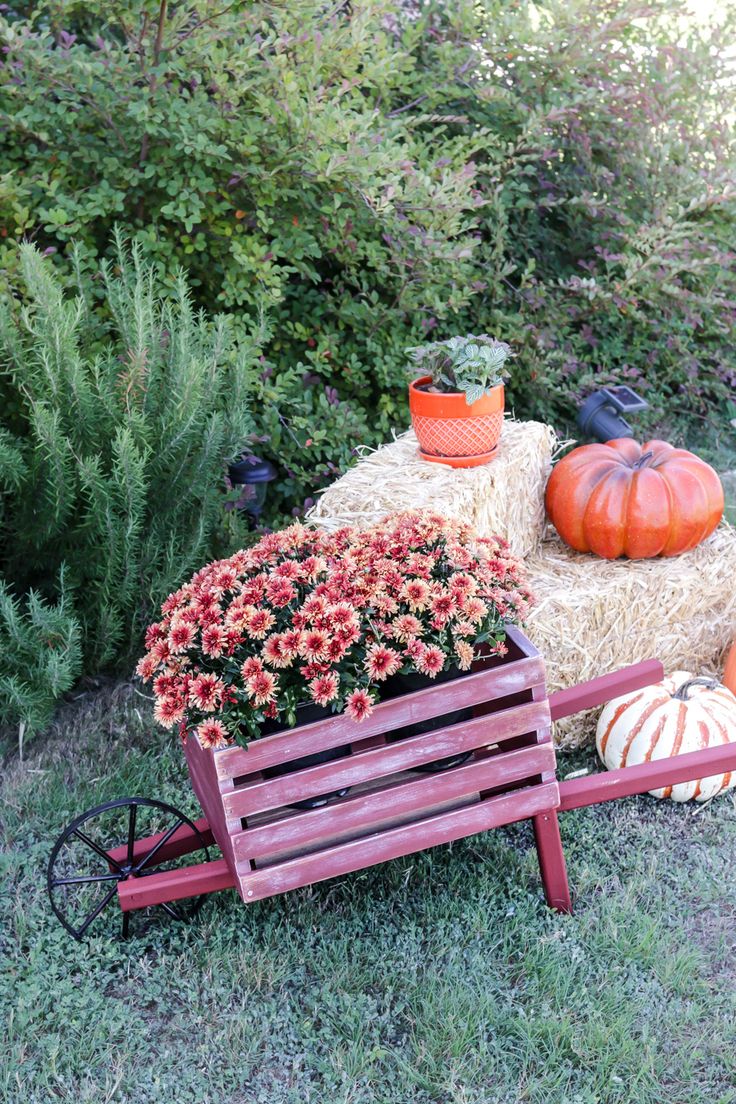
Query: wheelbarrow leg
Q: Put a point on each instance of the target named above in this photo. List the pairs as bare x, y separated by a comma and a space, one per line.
552, 861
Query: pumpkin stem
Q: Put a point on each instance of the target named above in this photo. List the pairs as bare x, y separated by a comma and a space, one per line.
643, 459
683, 692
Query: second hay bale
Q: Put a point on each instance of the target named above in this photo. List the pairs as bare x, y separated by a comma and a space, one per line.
593, 616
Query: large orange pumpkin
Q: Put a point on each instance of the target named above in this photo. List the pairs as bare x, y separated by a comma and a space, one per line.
729, 674
626, 499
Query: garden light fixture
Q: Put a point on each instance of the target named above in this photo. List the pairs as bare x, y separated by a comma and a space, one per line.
601, 415
250, 471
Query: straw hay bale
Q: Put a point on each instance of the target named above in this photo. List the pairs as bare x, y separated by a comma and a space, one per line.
503, 498
593, 616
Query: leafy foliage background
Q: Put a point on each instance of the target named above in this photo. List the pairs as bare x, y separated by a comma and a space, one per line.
373, 175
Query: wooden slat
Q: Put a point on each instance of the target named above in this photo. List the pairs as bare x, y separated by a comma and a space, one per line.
387, 716
627, 781
173, 885
183, 842
390, 759
209, 790
365, 809
381, 846
587, 695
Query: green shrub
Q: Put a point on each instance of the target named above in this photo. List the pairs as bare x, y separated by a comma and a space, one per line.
256, 144
559, 175
112, 464
607, 168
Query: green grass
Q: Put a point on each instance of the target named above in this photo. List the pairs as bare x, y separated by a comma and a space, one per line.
438, 978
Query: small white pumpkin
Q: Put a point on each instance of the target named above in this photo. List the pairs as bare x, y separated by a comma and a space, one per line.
675, 716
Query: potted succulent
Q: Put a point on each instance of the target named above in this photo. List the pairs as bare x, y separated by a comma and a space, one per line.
457, 404
306, 623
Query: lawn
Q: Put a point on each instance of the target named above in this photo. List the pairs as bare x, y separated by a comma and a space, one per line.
438, 978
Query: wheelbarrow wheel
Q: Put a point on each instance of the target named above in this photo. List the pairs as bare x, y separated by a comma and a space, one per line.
107, 845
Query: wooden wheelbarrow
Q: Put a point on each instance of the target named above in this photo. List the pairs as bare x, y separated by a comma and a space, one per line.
373, 791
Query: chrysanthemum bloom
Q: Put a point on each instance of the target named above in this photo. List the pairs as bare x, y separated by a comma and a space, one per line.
464, 628
431, 661
414, 648
323, 689
473, 610
406, 627
335, 649
312, 567
462, 585
274, 653
213, 640
381, 662
260, 622
153, 633
164, 684
145, 667
359, 705
168, 711
252, 666
206, 692
314, 669
315, 606
291, 642
181, 635
385, 604
347, 635
161, 651
289, 569
443, 605
213, 734
279, 592
342, 615
262, 687
225, 577
313, 644
465, 654
416, 593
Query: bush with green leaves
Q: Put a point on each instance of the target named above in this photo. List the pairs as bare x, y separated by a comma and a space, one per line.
559, 174
607, 164
112, 468
264, 147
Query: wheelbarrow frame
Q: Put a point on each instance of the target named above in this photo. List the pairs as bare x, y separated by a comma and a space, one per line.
215, 875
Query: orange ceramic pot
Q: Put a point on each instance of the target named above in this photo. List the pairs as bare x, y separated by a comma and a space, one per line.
452, 432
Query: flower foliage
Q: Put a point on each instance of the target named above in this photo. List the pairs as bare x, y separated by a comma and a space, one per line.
472, 364
311, 616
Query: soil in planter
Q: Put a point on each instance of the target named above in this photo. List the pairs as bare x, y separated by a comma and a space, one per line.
398, 685
306, 714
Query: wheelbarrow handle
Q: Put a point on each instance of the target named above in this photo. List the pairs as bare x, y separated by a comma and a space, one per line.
587, 695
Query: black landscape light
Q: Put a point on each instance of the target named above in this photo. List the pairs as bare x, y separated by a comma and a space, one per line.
601, 415
252, 472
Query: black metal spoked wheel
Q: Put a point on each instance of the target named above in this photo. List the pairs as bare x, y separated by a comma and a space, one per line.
103, 847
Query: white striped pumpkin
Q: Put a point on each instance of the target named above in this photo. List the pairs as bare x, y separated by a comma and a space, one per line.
675, 716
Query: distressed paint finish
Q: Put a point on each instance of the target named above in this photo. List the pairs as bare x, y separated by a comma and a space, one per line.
587, 695
401, 798
389, 810
524, 774
381, 846
282, 747
627, 781
183, 842
254, 797
174, 885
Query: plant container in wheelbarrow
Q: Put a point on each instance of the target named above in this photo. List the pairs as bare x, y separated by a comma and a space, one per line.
308, 673
391, 806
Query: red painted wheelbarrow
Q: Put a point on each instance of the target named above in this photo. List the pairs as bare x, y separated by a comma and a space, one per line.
373, 791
